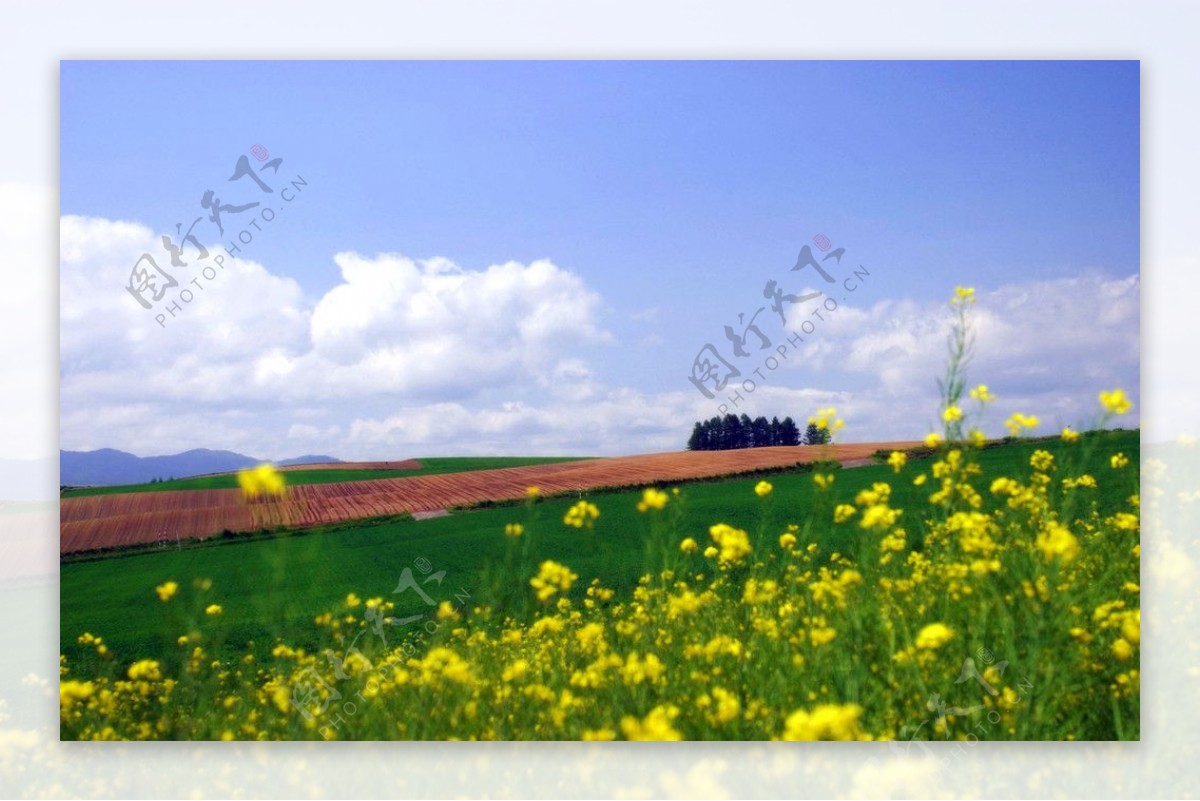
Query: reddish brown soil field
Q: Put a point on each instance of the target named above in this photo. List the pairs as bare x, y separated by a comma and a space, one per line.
110, 521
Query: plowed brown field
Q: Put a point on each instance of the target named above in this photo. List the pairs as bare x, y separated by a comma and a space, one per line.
108, 521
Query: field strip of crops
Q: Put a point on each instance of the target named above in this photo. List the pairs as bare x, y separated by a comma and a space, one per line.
110, 521
406, 464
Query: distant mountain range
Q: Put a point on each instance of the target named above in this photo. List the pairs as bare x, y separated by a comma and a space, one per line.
109, 466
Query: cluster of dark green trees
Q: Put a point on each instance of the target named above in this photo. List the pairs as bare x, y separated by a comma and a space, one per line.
731, 431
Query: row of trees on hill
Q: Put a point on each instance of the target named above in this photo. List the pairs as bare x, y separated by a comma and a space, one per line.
731, 431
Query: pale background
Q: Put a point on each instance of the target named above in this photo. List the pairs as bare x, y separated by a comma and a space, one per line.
35, 37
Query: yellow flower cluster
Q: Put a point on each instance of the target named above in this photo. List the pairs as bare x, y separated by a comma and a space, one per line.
261, 480
652, 499
1115, 401
824, 722
552, 578
582, 515
1019, 421
982, 394
827, 420
734, 544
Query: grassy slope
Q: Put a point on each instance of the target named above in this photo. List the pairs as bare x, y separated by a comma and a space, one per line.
272, 586
430, 466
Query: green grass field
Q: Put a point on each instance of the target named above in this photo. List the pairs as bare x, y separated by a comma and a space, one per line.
271, 586
430, 466
816, 605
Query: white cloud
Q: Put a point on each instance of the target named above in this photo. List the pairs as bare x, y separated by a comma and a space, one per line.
394, 332
408, 358
1045, 347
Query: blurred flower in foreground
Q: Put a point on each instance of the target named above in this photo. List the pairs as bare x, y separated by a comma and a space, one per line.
581, 515
261, 480
826, 420
982, 394
1116, 402
652, 499
1019, 421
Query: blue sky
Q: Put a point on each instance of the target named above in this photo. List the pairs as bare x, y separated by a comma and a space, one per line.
663, 194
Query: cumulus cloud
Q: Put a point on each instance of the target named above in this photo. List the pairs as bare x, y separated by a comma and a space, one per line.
1046, 347
404, 357
250, 349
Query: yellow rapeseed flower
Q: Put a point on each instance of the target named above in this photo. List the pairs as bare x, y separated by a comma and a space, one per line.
981, 394
551, 579
71, 692
1116, 401
213, 609
823, 480
146, 669
581, 515
532, 493
823, 722
1131, 626
599, 735
1069, 435
933, 439
826, 420
1056, 542
1017, 421
652, 499
787, 541
513, 529
733, 542
963, 295
762, 489
1122, 650
655, 726
1119, 460
897, 460
688, 545
261, 480
166, 591
1041, 460
934, 636
952, 414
